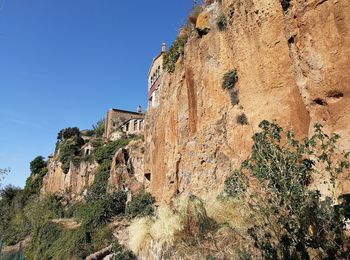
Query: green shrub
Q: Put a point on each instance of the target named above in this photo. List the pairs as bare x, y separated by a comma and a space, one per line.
285, 4
69, 151
43, 238
291, 219
67, 133
242, 119
221, 22
99, 211
107, 151
235, 185
121, 254
174, 53
34, 184
99, 187
99, 128
37, 165
141, 205
61, 244
230, 79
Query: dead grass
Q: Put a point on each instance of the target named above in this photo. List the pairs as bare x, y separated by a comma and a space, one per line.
233, 212
166, 225
195, 228
139, 234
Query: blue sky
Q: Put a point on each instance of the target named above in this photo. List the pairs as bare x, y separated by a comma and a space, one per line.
66, 62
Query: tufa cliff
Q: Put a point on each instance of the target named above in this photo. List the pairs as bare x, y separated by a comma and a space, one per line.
292, 63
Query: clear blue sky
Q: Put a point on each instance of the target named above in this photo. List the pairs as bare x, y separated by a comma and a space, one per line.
66, 62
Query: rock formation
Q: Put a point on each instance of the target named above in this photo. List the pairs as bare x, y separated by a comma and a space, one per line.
292, 66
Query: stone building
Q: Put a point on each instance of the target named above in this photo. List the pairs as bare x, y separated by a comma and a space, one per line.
123, 122
155, 79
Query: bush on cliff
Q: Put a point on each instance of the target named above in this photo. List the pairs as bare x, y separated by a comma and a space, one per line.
99, 128
107, 151
221, 22
285, 4
37, 165
141, 205
230, 79
174, 53
67, 133
292, 222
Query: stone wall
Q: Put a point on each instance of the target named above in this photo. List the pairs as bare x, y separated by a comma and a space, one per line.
115, 118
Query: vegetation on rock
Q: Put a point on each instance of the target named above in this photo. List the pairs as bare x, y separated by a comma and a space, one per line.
292, 221
99, 128
230, 79
221, 22
141, 205
174, 53
242, 119
285, 4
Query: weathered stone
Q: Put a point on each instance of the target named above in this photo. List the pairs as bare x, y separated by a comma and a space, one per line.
284, 60
202, 24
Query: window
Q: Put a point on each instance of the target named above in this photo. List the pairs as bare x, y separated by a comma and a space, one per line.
127, 127
135, 125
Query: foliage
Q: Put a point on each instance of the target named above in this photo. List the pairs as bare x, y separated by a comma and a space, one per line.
99, 211
107, 151
67, 133
120, 254
34, 184
37, 165
230, 79
235, 185
99, 128
99, 187
174, 53
242, 119
221, 22
23, 216
141, 205
292, 218
285, 4
69, 151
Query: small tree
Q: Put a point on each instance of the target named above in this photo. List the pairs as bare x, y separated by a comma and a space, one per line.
290, 218
37, 165
99, 128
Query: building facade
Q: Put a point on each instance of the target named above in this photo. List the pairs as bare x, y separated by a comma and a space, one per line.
123, 121
155, 79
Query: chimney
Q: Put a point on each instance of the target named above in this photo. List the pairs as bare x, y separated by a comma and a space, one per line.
163, 47
139, 109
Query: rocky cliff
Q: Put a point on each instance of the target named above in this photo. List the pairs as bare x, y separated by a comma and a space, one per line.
292, 60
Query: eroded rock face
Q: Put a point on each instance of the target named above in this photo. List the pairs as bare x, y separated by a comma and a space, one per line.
127, 168
78, 178
293, 68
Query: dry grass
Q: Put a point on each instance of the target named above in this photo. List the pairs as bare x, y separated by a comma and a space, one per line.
233, 212
166, 225
139, 234
187, 228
